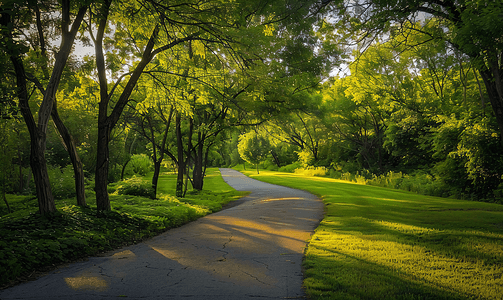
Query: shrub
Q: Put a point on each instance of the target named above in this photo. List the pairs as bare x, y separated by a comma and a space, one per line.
290, 168
136, 186
311, 171
140, 164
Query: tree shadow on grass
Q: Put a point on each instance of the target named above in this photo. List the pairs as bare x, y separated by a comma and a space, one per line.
345, 276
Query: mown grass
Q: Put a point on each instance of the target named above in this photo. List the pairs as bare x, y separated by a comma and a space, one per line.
378, 243
30, 243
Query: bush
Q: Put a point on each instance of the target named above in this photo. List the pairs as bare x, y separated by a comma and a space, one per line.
140, 164
290, 168
311, 171
136, 186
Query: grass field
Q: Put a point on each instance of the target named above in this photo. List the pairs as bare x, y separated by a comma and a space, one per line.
377, 243
30, 243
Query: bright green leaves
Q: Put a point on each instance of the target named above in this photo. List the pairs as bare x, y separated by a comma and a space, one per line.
253, 147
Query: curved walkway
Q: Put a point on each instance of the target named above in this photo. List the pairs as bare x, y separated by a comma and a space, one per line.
248, 251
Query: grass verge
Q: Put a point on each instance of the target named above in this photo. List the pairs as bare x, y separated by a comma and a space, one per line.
378, 243
31, 243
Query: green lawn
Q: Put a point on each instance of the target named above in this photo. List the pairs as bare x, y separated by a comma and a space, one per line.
30, 243
377, 243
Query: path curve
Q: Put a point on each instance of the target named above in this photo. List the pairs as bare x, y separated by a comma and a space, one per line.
247, 251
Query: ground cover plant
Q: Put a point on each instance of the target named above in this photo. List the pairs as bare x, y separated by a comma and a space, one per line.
31, 243
379, 243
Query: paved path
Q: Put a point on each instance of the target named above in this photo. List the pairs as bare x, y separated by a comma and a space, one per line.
250, 251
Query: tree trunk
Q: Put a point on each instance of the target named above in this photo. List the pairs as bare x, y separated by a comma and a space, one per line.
37, 142
276, 158
155, 177
158, 161
102, 163
38, 132
69, 143
197, 174
124, 168
181, 158
493, 80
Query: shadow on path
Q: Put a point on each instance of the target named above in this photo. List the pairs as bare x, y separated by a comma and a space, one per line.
251, 250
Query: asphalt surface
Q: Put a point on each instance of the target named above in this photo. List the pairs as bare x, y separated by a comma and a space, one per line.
252, 250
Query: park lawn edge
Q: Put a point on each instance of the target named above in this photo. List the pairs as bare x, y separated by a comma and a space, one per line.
33, 245
439, 249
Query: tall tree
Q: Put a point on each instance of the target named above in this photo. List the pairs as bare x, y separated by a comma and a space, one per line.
144, 29
12, 45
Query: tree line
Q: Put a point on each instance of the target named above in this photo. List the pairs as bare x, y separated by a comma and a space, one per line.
181, 81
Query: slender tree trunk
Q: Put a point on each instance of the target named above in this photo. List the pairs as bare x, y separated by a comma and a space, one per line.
157, 163
124, 168
181, 158
69, 143
197, 174
102, 164
276, 159
155, 177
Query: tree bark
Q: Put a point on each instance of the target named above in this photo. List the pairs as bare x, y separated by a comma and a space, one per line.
181, 158
78, 170
37, 142
102, 164
162, 146
493, 80
197, 173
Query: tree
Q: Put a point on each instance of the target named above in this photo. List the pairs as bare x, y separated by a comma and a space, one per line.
16, 49
253, 148
473, 27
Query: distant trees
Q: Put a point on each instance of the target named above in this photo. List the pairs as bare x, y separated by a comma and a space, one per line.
253, 148
410, 110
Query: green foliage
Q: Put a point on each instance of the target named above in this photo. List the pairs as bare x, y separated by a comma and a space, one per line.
62, 182
140, 164
311, 171
135, 186
253, 148
290, 168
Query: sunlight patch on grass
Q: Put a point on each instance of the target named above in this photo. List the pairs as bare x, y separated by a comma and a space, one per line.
404, 228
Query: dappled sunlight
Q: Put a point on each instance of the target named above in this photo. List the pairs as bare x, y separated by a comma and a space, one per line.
88, 279
230, 239
387, 199
217, 263
280, 199
123, 254
287, 238
86, 283
404, 228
